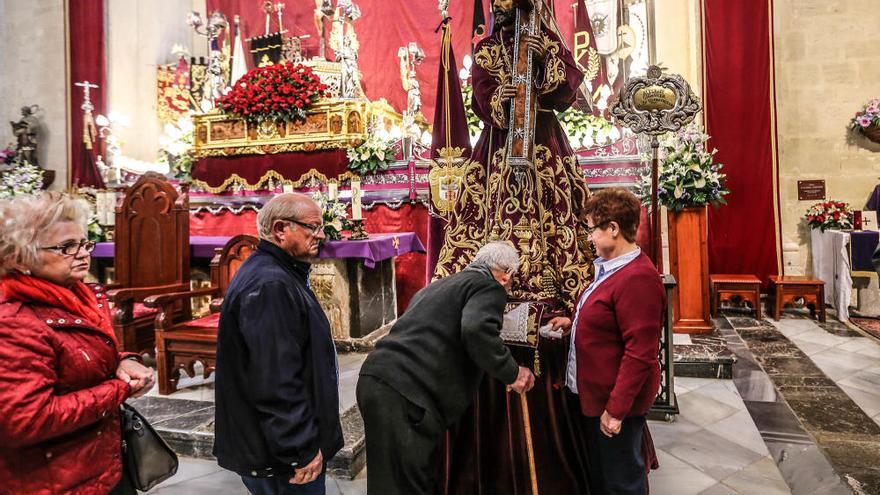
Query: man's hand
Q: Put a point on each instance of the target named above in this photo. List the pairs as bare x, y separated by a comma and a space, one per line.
309, 472
525, 380
609, 426
560, 323
140, 378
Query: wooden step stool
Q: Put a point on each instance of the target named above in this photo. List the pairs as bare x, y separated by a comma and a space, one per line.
786, 289
725, 287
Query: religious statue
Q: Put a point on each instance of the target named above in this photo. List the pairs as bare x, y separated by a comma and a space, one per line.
410, 56
25, 133
323, 10
522, 184
343, 40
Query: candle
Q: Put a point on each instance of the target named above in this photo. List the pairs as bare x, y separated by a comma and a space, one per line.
332, 191
111, 203
356, 213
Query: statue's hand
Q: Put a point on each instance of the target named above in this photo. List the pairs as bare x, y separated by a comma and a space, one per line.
539, 51
508, 91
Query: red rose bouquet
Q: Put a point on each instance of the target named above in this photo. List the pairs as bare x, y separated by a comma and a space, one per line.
830, 215
283, 91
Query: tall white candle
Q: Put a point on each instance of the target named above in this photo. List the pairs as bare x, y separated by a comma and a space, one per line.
332, 191
356, 213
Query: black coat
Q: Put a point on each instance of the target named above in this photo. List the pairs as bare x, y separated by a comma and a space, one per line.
436, 353
277, 398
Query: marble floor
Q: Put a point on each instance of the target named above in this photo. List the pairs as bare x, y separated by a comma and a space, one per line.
713, 448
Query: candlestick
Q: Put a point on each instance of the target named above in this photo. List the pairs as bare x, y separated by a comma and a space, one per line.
332, 190
356, 213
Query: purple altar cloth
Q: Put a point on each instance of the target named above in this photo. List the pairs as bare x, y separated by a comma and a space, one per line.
376, 248
862, 246
200, 247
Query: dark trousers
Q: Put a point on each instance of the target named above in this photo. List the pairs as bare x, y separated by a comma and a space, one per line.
401, 441
616, 464
280, 485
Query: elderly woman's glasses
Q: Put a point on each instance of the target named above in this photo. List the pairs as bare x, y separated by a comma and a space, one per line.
313, 229
72, 248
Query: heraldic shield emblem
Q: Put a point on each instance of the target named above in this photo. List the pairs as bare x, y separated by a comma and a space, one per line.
445, 177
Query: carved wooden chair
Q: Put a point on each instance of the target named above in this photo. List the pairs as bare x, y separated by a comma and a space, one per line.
181, 345
151, 257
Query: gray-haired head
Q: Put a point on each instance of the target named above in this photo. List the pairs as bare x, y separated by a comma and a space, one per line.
499, 255
25, 219
283, 207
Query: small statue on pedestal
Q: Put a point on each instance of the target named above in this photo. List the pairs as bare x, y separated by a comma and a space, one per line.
25, 132
343, 40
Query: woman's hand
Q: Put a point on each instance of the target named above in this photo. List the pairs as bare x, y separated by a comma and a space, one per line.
610, 426
140, 378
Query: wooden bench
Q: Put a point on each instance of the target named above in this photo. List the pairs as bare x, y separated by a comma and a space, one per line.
181, 345
788, 289
726, 287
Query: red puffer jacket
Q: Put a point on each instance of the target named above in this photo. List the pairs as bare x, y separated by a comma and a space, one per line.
59, 403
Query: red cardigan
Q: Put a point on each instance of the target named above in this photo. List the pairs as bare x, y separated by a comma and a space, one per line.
617, 342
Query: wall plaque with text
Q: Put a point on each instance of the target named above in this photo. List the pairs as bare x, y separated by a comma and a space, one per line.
811, 190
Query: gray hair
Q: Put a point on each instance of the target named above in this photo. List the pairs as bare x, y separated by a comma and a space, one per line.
282, 207
499, 255
26, 218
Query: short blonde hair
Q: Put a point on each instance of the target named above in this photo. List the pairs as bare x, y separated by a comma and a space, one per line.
24, 218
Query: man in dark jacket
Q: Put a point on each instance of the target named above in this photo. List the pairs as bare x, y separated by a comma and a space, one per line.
424, 374
277, 399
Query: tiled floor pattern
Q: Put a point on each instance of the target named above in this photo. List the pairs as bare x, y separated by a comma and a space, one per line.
831, 393
712, 448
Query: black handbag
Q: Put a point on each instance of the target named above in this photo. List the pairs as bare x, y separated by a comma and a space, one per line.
146, 458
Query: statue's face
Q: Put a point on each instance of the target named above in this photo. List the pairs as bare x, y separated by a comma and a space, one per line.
505, 13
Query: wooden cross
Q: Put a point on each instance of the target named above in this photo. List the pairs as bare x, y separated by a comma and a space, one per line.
524, 106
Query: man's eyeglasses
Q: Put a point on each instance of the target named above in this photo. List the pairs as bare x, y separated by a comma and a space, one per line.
597, 226
313, 229
72, 248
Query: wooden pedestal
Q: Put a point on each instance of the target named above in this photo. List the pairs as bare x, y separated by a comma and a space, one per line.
689, 264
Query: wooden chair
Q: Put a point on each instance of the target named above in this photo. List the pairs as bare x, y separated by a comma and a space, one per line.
151, 257
181, 345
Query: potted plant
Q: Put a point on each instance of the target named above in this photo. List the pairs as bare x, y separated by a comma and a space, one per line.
688, 181
867, 121
834, 215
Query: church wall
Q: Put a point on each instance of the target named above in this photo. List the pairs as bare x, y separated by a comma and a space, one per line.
140, 36
826, 69
33, 62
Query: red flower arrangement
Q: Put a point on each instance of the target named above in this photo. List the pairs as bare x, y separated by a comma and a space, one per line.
830, 215
277, 92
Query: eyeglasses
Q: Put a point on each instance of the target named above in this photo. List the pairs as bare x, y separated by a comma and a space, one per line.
72, 248
597, 226
313, 229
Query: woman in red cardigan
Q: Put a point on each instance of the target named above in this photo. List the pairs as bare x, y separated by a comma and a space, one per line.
613, 364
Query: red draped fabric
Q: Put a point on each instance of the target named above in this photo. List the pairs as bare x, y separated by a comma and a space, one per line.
740, 108
409, 268
85, 26
384, 27
214, 171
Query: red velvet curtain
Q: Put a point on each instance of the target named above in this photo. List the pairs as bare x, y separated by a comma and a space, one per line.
85, 26
740, 108
384, 26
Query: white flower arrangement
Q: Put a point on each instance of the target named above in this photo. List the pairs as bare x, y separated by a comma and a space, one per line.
22, 179
688, 176
334, 215
371, 156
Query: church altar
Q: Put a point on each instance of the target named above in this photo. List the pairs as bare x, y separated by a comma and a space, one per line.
843, 261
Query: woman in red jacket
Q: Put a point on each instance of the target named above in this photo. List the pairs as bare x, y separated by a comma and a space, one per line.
61, 377
613, 364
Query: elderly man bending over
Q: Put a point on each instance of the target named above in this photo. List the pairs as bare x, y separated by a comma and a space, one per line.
277, 402
425, 373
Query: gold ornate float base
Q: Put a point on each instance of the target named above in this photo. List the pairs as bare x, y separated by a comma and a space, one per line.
332, 123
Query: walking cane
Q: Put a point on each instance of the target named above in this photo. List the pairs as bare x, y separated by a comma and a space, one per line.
527, 428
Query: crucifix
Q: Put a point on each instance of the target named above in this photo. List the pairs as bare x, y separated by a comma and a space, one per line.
89, 129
